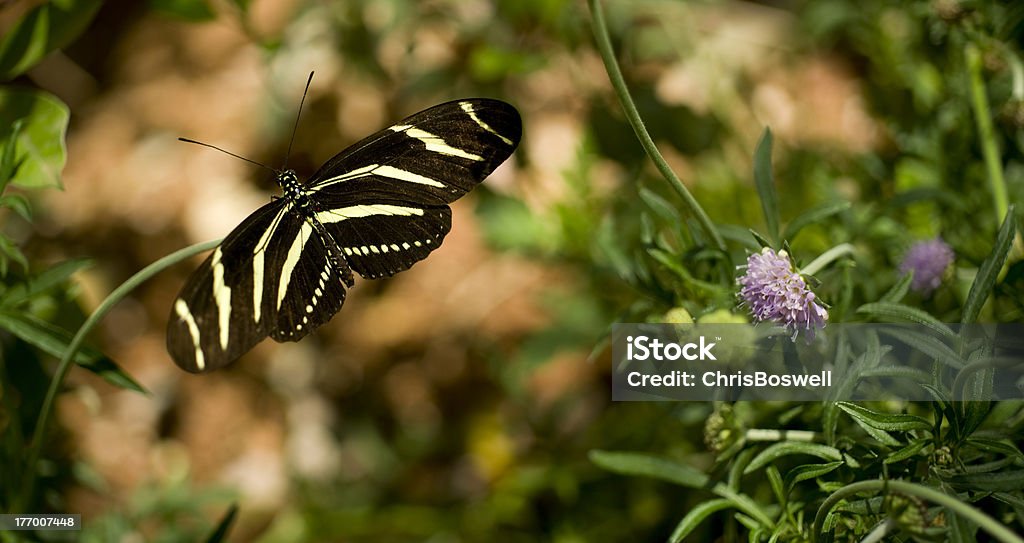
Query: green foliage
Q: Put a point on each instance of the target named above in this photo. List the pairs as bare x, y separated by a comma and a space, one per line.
49, 26
941, 180
37, 150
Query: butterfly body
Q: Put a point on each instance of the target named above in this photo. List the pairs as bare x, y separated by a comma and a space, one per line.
375, 209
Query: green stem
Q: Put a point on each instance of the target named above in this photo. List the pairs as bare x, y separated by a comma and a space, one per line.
66, 361
983, 119
985, 522
604, 46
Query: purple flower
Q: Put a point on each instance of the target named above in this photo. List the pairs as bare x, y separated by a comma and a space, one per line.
929, 261
775, 292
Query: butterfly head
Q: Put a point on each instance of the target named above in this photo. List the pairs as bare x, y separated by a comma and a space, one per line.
289, 183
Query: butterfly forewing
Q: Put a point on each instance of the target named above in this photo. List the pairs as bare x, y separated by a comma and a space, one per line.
430, 158
378, 207
223, 309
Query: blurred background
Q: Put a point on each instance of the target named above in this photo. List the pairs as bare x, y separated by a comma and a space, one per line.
458, 400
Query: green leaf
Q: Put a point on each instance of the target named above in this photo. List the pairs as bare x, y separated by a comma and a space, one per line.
40, 151
766, 186
8, 162
887, 310
813, 215
996, 446
224, 525
927, 344
54, 341
890, 422
899, 290
1000, 481
44, 282
190, 10
696, 516
644, 465
660, 206
19, 204
915, 447
46, 28
778, 487
11, 251
649, 466
810, 471
786, 448
989, 271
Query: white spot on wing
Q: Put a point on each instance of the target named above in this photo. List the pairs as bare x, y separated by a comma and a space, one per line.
222, 299
434, 143
347, 176
258, 260
468, 108
409, 177
294, 252
358, 211
181, 308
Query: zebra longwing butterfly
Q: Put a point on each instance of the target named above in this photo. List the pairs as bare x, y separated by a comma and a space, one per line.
376, 208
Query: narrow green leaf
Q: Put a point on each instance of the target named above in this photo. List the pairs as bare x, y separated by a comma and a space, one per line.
46, 28
989, 271
927, 344
899, 290
52, 278
19, 204
645, 465
54, 341
40, 151
913, 449
11, 251
778, 487
696, 516
8, 161
786, 448
765, 182
224, 525
890, 422
1000, 481
810, 471
761, 240
660, 206
813, 215
886, 310
996, 446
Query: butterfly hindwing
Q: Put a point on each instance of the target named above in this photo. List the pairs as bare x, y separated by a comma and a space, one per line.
310, 289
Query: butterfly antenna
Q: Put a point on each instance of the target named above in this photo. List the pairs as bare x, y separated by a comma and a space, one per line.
296, 126
186, 140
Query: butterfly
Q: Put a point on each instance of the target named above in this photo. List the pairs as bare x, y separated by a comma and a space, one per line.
375, 209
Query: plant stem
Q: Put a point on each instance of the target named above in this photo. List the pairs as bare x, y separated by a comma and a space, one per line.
604, 46
983, 119
951, 503
69, 355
